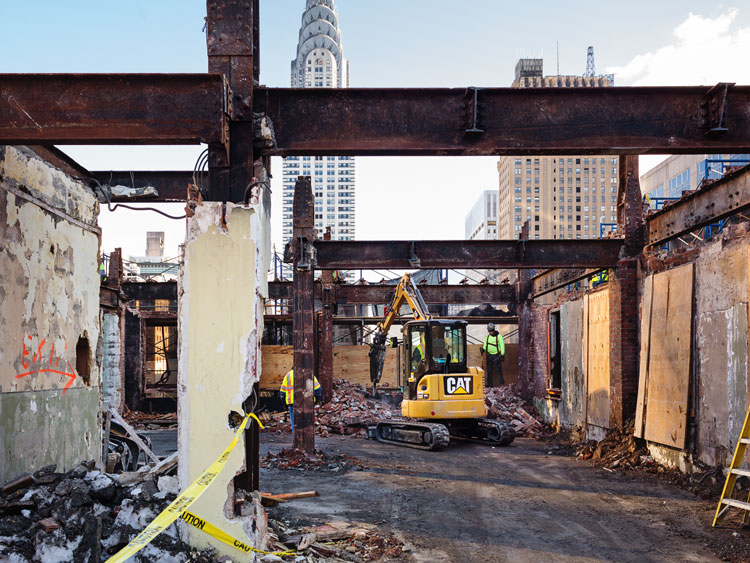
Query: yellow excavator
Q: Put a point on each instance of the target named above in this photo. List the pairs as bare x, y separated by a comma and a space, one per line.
442, 396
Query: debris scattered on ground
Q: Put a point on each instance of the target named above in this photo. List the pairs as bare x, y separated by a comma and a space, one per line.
150, 420
337, 541
320, 461
504, 403
621, 450
87, 515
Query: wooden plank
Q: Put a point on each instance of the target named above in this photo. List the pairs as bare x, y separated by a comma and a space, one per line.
648, 290
133, 436
585, 354
598, 354
669, 359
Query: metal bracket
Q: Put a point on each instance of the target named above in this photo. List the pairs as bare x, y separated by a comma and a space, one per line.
306, 256
472, 93
713, 108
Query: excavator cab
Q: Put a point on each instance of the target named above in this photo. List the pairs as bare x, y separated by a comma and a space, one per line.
435, 347
438, 383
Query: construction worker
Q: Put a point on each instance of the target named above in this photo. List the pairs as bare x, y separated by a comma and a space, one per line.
494, 346
287, 393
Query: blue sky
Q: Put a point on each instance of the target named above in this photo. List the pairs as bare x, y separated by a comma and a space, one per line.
406, 43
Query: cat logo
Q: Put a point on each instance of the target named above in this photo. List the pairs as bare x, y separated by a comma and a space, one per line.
459, 385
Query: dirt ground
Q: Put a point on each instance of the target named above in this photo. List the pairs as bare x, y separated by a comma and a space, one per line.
524, 503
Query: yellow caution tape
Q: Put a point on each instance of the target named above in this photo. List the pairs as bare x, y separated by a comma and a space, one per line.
211, 530
183, 501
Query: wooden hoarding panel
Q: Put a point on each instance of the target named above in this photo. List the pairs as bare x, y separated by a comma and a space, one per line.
598, 358
643, 367
669, 357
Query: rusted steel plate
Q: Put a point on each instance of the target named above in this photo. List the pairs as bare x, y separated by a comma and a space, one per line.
514, 121
708, 205
111, 108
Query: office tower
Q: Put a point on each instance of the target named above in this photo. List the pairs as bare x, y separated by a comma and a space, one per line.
320, 63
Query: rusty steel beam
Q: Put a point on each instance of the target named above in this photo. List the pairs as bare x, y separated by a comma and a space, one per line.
479, 254
513, 121
378, 294
111, 108
552, 280
348, 321
712, 203
168, 185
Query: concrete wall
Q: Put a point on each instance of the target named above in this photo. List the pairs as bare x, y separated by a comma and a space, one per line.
220, 322
720, 347
49, 317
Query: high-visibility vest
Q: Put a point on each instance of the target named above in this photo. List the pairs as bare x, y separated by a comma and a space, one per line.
287, 386
498, 346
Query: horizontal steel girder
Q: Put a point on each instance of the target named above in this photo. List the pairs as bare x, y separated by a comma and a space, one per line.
512, 121
169, 185
710, 204
112, 108
380, 294
479, 254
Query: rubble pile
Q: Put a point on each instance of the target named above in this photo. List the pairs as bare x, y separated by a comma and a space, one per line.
150, 420
503, 403
320, 461
618, 449
349, 410
337, 541
86, 515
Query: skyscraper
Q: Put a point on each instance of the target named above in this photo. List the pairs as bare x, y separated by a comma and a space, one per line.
320, 63
571, 196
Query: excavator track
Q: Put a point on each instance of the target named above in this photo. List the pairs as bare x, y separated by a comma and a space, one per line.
484, 431
411, 433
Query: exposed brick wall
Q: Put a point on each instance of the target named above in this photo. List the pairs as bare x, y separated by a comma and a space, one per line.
540, 345
624, 326
525, 350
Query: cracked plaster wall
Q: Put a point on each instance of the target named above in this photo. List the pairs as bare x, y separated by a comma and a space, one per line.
49, 298
220, 322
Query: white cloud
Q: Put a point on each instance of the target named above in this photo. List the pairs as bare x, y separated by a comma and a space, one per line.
705, 51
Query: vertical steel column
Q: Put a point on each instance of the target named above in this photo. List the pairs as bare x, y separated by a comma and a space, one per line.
232, 43
325, 350
525, 352
231, 49
303, 320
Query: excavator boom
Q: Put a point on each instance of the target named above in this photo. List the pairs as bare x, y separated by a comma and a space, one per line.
406, 292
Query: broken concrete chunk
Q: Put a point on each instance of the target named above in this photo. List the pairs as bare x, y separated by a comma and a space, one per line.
49, 524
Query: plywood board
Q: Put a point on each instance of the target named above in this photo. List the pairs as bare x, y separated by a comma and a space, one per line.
598, 358
353, 364
648, 290
669, 357
276, 361
510, 365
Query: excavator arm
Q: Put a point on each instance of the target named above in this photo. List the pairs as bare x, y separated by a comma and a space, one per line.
406, 292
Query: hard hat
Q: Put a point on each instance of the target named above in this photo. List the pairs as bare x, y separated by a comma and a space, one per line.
490, 326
